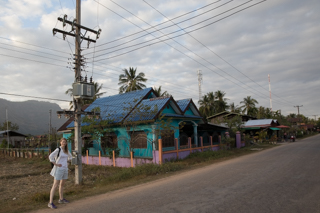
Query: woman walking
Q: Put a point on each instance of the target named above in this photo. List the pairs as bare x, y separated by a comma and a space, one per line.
59, 158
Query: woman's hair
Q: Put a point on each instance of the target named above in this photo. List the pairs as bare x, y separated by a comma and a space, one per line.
66, 147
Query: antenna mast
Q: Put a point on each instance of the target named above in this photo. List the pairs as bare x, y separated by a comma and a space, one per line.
270, 93
199, 83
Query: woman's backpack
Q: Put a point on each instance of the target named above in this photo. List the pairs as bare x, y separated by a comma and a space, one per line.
56, 157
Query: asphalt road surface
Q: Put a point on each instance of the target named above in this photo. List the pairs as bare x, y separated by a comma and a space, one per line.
281, 179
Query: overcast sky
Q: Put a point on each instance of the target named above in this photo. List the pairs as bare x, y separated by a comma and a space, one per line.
235, 48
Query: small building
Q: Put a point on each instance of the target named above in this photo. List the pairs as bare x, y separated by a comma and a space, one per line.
17, 140
138, 119
271, 126
220, 118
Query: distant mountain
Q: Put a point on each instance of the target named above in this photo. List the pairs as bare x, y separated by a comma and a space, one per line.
32, 116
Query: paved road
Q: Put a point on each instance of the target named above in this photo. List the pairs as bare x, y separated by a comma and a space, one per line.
281, 179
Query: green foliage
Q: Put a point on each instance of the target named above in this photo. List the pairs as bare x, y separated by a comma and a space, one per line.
129, 81
234, 124
160, 93
262, 135
11, 126
109, 152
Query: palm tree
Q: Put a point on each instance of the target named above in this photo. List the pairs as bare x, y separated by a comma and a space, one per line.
234, 108
129, 81
160, 93
221, 104
97, 94
249, 105
207, 105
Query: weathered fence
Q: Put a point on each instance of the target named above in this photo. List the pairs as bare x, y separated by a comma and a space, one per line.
25, 153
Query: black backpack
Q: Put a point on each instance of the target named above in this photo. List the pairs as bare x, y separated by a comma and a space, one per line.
56, 158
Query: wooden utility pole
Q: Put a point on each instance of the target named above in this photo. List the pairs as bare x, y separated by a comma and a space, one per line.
81, 89
298, 108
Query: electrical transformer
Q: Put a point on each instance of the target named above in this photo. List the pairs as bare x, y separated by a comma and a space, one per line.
83, 90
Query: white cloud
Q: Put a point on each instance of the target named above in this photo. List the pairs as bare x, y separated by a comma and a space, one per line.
279, 38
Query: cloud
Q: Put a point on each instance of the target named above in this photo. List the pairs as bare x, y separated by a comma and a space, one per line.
279, 38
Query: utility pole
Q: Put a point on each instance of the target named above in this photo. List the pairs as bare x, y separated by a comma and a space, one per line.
298, 108
82, 90
199, 83
315, 117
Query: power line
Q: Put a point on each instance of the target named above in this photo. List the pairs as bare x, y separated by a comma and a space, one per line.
212, 51
31, 54
150, 27
183, 46
186, 48
33, 45
187, 32
149, 33
32, 50
34, 60
27, 96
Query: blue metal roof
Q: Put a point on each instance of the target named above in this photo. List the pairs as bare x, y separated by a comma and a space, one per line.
148, 109
117, 107
183, 104
258, 122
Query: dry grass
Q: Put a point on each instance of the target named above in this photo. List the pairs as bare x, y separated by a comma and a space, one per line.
25, 183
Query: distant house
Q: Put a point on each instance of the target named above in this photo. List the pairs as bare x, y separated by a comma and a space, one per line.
220, 118
271, 126
17, 140
181, 120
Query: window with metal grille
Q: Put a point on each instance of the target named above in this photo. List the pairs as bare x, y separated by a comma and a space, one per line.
139, 140
109, 140
167, 137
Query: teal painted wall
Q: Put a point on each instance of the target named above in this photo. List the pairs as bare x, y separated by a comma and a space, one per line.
168, 110
189, 112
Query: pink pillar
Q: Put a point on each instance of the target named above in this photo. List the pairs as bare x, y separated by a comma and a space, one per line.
238, 139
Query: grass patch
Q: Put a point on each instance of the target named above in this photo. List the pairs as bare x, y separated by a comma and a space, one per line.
102, 179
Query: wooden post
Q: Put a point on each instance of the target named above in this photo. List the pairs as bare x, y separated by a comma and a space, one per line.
201, 142
211, 141
114, 159
177, 147
160, 151
131, 159
189, 144
99, 157
87, 157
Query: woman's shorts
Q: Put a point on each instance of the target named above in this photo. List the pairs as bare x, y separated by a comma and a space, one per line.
61, 173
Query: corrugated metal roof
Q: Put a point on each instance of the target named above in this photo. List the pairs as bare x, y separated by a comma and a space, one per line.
183, 104
117, 107
154, 106
258, 122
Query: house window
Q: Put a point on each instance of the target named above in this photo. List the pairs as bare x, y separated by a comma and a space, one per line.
167, 137
215, 138
138, 140
168, 107
183, 139
109, 140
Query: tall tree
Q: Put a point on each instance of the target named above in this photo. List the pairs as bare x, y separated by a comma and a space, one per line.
160, 93
11, 126
220, 103
234, 108
249, 105
97, 94
129, 81
207, 106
